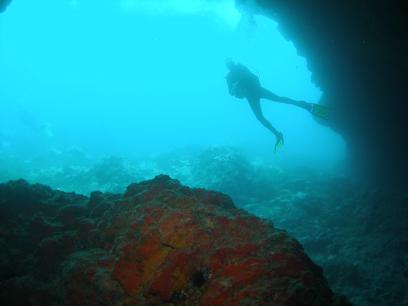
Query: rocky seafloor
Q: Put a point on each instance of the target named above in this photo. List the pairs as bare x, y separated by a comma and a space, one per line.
356, 234
159, 243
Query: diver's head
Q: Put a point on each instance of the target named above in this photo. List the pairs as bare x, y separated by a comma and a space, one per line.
230, 63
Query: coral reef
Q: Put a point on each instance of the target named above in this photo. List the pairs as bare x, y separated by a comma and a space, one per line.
223, 168
73, 172
356, 234
158, 243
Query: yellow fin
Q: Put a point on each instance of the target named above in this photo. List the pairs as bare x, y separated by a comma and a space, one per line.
320, 111
278, 145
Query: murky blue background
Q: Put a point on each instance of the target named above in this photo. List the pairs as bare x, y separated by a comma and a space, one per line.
144, 77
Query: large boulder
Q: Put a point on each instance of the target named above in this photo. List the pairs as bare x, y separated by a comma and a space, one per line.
158, 243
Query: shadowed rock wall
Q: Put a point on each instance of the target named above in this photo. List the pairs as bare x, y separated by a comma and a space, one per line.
357, 52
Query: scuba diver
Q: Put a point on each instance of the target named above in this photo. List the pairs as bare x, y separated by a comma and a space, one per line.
242, 83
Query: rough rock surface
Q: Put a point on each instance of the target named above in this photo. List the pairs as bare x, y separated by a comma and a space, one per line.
160, 243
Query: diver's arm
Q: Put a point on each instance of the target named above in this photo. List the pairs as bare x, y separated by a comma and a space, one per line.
231, 83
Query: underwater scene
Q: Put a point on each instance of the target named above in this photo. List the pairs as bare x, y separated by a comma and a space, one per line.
197, 152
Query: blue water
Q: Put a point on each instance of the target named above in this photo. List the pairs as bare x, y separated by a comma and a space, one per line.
95, 95
135, 78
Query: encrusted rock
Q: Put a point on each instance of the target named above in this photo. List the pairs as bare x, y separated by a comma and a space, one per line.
159, 243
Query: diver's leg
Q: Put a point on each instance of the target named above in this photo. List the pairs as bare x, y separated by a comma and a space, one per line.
255, 105
317, 110
266, 94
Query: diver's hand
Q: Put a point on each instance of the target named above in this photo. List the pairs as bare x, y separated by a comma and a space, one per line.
279, 141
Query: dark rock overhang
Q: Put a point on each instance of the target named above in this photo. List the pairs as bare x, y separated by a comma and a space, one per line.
357, 52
